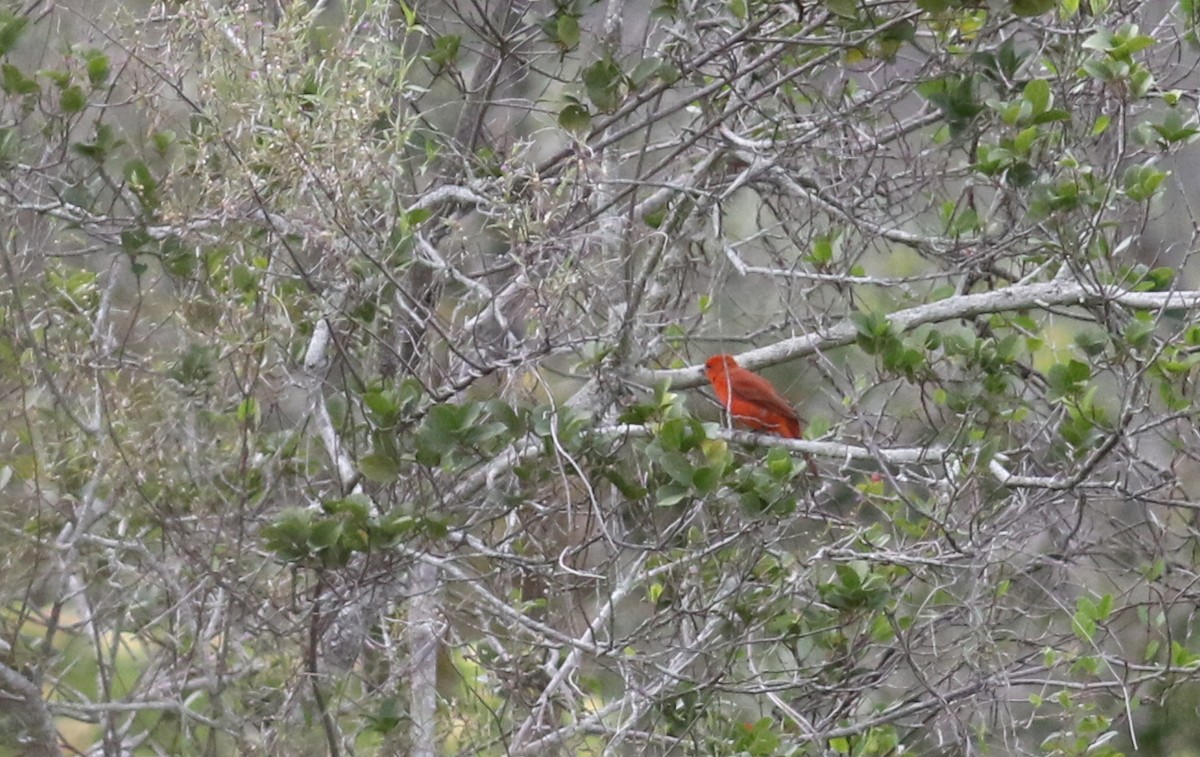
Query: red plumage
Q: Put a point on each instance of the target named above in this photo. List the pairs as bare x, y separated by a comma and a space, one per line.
750, 400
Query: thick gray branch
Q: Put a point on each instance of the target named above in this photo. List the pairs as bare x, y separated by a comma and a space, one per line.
1019, 297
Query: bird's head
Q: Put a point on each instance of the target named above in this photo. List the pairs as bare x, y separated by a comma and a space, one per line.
719, 365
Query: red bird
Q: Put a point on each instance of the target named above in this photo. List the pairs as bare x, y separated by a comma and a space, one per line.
750, 400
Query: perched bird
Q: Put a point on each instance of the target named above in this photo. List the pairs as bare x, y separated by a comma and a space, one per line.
750, 400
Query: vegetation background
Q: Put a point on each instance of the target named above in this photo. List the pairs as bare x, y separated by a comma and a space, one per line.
351, 393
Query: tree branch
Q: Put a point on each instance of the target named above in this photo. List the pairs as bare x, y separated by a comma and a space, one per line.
1018, 297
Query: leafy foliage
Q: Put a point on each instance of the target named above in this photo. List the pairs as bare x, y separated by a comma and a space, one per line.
348, 404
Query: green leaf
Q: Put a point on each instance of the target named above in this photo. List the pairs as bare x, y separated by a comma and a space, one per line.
848, 9
72, 100
671, 495
1129, 41
1160, 279
1030, 8
681, 434
178, 259
383, 406
1141, 81
325, 533
630, 490
162, 140
141, 182
1037, 93
356, 506
874, 331
1083, 622
416, 216
1067, 378
1138, 331
603, 81
1050, 116
244, 279
62, 79
780, 464
11, 28
98, 68
1101, 40
14, 81
678, 466
195, 366
567, 31
707, 478
379, 467
1142, 181
575, 118
448, 417
1175, 129
1151, 651
822, 253
1092, 342
1025, 139
1182, 657
289, 534
956, 97
248, 412
445, 50
103, 145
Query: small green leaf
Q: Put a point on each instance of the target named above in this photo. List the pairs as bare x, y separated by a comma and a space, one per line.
848, 9
103, 145
822, 252
567, 31
445, 50
1037, 93
671, 495
1161, 278
1025, 139
416, 216
141, 182
163, 139
1051, 115
379, 467
1151, 652
677, 466
72, 100
11, 28
707, 478
655, 218
10, 144
289, 534
14, 81
98, 68
195, 365
1030, 8
1142, 181
1067, 378
247, 412
645, 70
575, 118
604, 81
779, 463
1101, 40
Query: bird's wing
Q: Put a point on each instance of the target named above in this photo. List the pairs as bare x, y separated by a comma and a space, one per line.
754, 388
